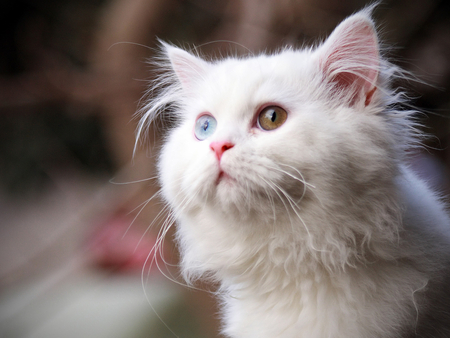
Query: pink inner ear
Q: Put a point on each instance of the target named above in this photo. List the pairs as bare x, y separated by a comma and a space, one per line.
345, 81
351, 60
186, 66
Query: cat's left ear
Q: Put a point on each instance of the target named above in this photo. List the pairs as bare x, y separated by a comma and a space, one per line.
350, 61
187, 67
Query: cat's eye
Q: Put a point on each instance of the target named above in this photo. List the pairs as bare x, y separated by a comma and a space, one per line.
205, 126
272, 117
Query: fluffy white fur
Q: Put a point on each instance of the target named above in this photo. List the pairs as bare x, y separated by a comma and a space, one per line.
319, 230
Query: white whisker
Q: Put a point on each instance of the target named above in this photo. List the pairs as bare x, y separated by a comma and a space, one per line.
137, 215
271, 185
152, 256
133, 182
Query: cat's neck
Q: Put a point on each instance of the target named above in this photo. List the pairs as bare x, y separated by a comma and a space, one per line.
289, 245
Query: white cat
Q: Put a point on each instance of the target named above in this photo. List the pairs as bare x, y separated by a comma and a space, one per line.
285, 174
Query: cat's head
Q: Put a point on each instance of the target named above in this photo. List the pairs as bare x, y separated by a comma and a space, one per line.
264, 134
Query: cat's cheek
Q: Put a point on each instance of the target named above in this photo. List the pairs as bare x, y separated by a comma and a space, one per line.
167, 175
188, 171
200, 176
172, 164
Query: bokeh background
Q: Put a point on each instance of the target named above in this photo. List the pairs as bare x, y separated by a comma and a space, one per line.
77, 222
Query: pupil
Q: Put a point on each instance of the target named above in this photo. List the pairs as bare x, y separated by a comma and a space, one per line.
274, 116
205, 125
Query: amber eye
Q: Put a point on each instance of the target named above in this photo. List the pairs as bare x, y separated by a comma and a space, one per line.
272, 117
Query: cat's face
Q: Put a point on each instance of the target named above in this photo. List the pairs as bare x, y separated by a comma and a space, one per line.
258, 134
228, 151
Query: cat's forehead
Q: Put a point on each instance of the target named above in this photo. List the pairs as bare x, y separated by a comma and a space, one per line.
240, 85
256, 69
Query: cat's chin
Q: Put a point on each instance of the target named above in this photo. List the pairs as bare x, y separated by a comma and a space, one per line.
230, 197
227, 189
224, 178
238, 204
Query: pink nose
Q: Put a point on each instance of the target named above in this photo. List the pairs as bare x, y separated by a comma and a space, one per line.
220, 147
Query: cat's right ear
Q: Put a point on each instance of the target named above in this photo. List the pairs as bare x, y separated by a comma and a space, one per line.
187, 67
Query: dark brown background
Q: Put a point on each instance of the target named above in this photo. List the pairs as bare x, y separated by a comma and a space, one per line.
71, 76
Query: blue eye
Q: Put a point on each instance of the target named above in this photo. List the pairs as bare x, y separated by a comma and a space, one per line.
205, 127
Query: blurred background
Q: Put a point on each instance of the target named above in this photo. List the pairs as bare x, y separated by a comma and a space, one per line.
77, 222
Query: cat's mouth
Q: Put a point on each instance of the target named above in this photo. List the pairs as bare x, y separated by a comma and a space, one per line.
223, 176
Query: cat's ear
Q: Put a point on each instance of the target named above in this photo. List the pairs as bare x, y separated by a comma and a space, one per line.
187, 67
350, 59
